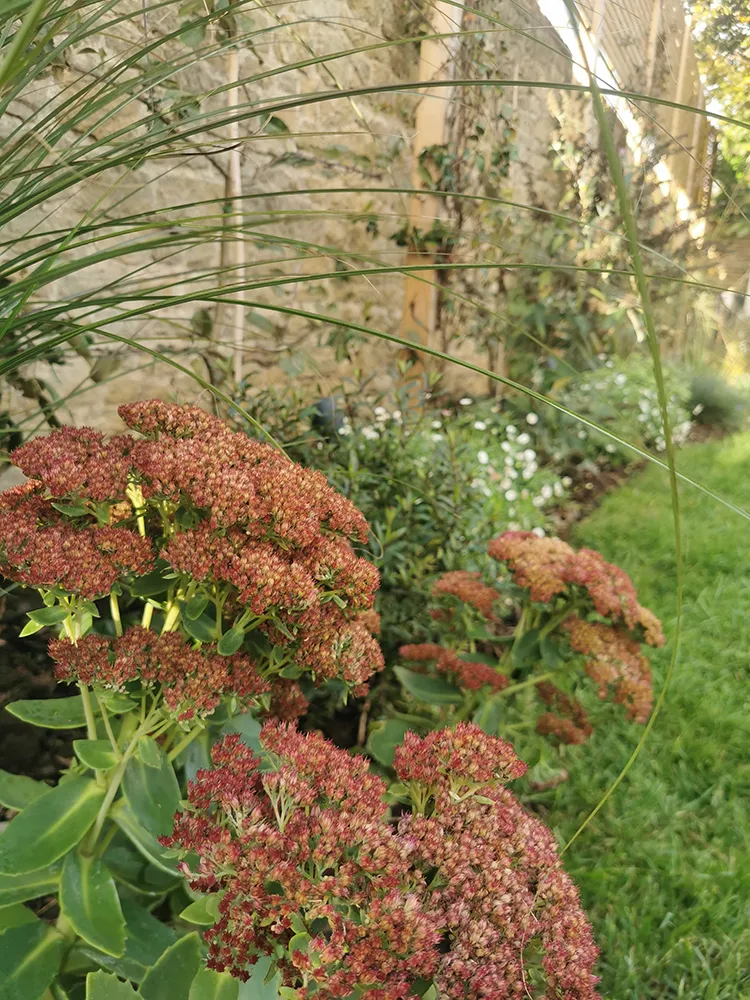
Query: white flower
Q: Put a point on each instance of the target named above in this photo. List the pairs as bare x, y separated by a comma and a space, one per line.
532, 418
466, 401
566, 481
610, 364
529, 455
507, 446
528, 472
482, 457
524, 438
602, 357
436, 437
511, 430
524, 494
546, 492
370, 433
538, 501
319, 445
345, 429
506, 484
436, 424
509, 460
539, 532
380, 413
477, 484
558, 490
697, 410
661, 444
513, 473
396, 415
480, 425
610, 448
582, 435
620, 379
511, 495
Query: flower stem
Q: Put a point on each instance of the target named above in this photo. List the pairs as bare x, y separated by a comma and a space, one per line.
176, 751
525, 684
114, 607
88, 711
108, 727
148, 614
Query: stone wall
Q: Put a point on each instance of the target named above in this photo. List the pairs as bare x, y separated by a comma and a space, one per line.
361, 142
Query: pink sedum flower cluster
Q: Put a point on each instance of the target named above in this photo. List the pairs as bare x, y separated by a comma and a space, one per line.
466, 891
265, 541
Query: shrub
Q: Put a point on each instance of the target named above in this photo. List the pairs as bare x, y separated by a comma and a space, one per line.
550, 612
195, 576
716, 403
464, 898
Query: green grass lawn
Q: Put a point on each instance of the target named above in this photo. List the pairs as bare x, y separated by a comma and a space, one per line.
664, 869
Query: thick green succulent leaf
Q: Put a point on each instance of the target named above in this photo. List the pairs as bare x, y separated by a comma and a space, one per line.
141, 839
50, 713
15, 915
97, 754
384, 738
146, 940
17, 791
30, 885
203, 911
30, 956
152, 792
210, 985
432, 690
104, 986
89, 900
49, 827
173, 974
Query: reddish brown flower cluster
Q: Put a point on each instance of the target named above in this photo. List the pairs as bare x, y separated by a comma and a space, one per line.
467, 587
549, 567
257, 531
466, 674
304, 859
570, 724
40, 547
192, 680
614, 659
310, 871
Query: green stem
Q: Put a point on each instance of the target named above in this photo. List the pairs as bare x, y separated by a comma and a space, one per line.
114, 608
172, 617
176, 751
525, 684
148, 614
108, 727
88, 711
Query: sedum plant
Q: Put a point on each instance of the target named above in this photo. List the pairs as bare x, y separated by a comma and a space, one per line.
463, 896
196, 579
551, 617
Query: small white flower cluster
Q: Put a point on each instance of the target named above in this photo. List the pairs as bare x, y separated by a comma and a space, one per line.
371, 432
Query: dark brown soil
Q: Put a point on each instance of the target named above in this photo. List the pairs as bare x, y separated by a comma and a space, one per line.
590, 486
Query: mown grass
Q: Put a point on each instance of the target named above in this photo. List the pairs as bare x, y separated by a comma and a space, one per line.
664, 869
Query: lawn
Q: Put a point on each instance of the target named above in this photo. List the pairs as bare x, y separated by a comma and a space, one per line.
664, 869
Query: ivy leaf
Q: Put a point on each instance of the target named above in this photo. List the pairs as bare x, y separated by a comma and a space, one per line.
17, 791
88, 899
49, 827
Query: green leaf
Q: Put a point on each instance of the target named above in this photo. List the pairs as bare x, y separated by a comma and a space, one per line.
174, 972
30, 956
116, 702
526, 650
88, 898
275, 126
31, 885
491, 661
141, 839
71, 509
146, 939
488, 716
147, 751
51, 713
550, 651
433, 690
231, 641
17, 791
49, 616
49, 827
263, 982
384, 738
129, 867
97, 754
30, 628
151, 584
103, 986
152, 793
210, 985
203, 629
15, 915
203, 911
195, 607
248, 728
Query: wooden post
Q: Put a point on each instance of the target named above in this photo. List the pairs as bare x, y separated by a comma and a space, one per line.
690, 186
418, 321
679, 93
